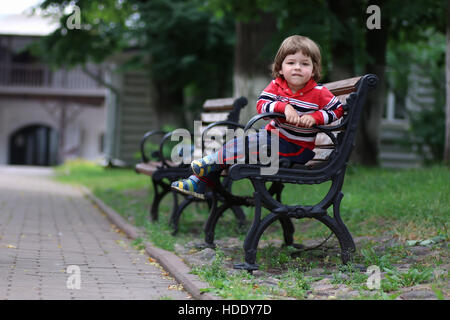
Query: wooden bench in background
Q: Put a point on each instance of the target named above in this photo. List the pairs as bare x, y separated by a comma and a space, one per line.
162, 171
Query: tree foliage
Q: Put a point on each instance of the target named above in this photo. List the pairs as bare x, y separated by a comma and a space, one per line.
348, 46
105, 30
187, 50
191, 42
329, 22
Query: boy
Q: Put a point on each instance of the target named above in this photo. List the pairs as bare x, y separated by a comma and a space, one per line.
294, 92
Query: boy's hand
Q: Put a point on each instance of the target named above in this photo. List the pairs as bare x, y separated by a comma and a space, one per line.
292, 116
307, 121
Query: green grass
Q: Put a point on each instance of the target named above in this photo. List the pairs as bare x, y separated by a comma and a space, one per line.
413, 276
402, 204
410, 204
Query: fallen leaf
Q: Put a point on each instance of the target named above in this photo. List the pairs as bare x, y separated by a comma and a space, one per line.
411, 242
178, 287
121, 243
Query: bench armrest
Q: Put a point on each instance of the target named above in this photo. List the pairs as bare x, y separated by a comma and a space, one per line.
272, 115
144, 138
286, 172
157, 155
326, 129
166, 162
227, 123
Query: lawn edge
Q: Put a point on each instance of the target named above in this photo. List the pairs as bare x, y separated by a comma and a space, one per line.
168, 260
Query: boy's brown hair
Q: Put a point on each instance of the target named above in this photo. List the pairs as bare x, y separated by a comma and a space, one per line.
294, 44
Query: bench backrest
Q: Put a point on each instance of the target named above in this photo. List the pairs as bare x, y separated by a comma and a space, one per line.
324, 145
339, 141
215, 110
342, 136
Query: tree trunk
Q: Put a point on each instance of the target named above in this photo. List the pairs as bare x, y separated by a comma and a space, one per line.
342, 50
368, 137
251, 69
169, 103
447, 89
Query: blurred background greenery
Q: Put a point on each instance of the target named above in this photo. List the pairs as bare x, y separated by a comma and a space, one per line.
199, 49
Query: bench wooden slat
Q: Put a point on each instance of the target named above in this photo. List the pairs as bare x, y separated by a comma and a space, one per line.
208, 146
213, 117
342, 98
150, 167
223, 104
343, 86
316, 160
147, 168
215, 131
324, 146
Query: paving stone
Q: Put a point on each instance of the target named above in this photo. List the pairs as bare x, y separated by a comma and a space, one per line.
418, 295
46, 226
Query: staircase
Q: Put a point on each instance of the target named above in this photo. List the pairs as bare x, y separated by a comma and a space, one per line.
137, 114
395, 152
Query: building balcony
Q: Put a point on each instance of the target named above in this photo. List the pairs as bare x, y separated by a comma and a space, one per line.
38, 81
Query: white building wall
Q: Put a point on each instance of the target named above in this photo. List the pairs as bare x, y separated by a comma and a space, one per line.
92, 125
15, 114
84, 131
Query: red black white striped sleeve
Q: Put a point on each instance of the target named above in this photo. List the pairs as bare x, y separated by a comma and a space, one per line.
268, 102
330, 108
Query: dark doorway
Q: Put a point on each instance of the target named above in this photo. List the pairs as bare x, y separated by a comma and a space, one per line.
34, 145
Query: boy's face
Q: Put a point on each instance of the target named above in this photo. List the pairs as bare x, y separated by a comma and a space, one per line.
297, 69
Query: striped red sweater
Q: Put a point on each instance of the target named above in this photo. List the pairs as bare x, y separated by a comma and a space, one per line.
312, 99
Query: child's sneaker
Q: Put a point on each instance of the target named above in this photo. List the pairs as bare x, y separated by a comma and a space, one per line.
191, 186
204, 166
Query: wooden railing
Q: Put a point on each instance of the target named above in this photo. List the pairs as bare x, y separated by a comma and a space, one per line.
40, 75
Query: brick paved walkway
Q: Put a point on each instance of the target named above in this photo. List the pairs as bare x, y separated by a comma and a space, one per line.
46, 226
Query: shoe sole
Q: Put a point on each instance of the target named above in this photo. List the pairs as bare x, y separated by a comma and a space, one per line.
189, 193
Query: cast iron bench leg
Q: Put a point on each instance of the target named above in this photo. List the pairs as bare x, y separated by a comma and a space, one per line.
214, 217
176, 214
240, 216
158, 196
335, 224
339, 229
288, 230
253, 235
174, 208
